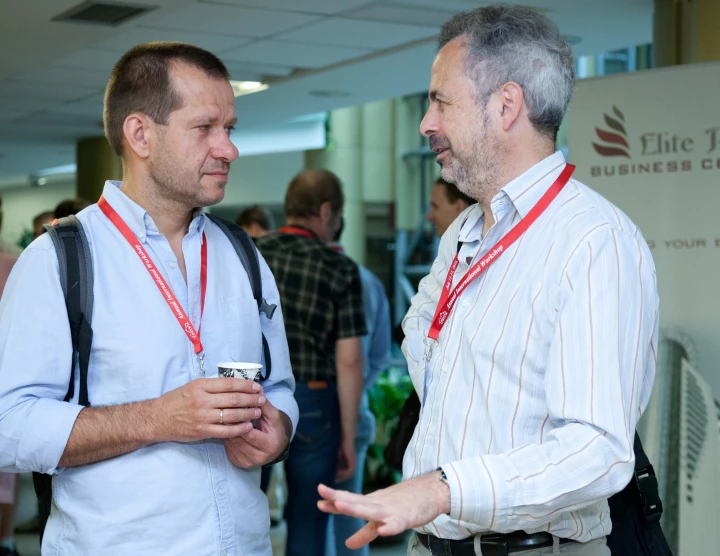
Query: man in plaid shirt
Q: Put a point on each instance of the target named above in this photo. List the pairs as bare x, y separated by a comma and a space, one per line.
322, 303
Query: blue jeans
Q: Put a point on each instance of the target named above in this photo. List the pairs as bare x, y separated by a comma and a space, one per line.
313, 460
342, 527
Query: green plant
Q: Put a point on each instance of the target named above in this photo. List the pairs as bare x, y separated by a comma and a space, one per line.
387, 399
25, 239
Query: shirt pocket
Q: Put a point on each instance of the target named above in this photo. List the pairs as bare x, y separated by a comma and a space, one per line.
242, 328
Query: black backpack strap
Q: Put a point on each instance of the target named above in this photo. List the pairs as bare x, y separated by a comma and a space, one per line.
647, 484
247, 253
76, 279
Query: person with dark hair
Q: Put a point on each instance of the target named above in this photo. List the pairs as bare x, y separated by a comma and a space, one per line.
40, 220
531, 343
257, 221
166, 457
69, 207
321, 292
447, 202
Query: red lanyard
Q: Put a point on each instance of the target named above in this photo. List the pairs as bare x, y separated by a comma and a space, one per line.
297, 231
448, 299
165, 290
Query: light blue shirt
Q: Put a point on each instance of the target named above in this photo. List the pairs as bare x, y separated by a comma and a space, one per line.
168, 498
375, 346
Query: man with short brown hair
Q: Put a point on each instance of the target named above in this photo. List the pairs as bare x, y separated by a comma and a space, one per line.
321, 292
166, 457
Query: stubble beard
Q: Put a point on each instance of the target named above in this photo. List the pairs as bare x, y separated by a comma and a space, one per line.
477, 175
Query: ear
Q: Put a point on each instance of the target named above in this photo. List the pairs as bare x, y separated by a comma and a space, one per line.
459, 205
512, 101
325, 212
139, 132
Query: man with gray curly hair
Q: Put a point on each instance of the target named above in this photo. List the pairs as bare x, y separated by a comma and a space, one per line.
532, 341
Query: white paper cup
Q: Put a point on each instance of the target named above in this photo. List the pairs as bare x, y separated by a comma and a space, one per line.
248, 371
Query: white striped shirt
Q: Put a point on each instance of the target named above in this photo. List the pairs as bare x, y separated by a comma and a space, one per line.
543, 367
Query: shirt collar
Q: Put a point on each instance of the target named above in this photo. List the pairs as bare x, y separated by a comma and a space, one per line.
522, 194
137, 219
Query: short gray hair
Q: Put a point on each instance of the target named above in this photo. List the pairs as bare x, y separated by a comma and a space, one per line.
521, 45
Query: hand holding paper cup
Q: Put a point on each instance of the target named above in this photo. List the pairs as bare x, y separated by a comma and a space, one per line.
247, 371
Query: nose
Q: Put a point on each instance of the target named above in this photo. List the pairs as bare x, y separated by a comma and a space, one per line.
429, 125
225, 149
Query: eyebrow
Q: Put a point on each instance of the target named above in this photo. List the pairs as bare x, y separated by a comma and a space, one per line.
206, 120
434, 95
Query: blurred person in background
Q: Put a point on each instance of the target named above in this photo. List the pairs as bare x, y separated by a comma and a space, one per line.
446, 204
69, 207
40, 220
376, 346
257, 221
322, 301
6, 246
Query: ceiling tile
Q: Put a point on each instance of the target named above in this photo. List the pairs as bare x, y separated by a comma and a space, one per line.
241, 71
231, 20
73, 77
360, 34
305, 6
400, 13
12, 108
64, 119
294, 54
90, 59
57, 91
209, 41
92, 106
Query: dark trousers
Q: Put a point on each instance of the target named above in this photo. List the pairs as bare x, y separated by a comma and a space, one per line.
312, 460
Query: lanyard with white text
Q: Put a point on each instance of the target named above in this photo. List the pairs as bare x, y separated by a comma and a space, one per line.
165, 290
448, 299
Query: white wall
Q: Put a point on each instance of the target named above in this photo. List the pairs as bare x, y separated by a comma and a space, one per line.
669, 187
262, 178
22, 204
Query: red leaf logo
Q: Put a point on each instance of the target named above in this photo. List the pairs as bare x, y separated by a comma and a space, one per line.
613, 143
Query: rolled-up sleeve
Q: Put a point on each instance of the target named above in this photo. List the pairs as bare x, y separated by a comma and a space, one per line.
280, 387
35, 364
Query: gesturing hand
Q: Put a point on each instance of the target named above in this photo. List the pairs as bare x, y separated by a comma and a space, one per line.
262, 444
390, 511
192, 411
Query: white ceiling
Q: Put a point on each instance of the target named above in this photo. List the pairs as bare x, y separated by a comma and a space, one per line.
52, 74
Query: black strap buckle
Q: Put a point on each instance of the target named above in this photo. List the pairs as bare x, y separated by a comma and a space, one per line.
267, 308
495, 544
649, 496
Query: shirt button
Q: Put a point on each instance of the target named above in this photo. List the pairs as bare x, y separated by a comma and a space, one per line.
465, 303
173, 265
444, 368
141, 236
221, 491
